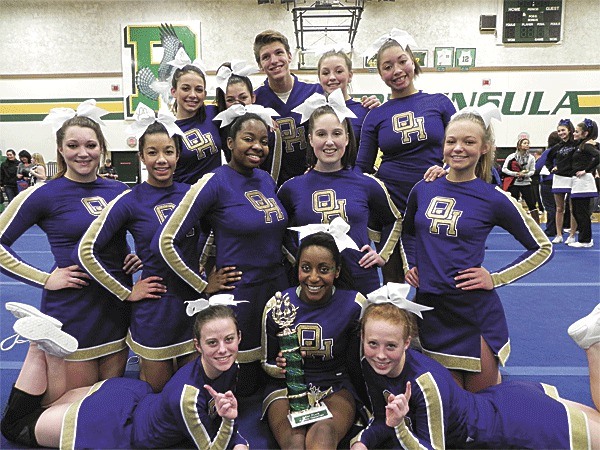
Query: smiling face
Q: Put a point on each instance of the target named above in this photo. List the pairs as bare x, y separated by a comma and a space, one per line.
81, 151
563, 133
218, 345
275, 61
334, 74
238, 93
463, 147
189, 94
397, 70
160, 158
249, 147
328, 139
384, 346
579, 133
317, 272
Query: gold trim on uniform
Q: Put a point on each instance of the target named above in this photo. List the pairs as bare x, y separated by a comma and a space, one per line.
504, 353
467, 363
160, 353
68, 431
87, 354
579, 432
187, 403
275, 395
167, 236
248, 356
277, 155
533, 261
435, 410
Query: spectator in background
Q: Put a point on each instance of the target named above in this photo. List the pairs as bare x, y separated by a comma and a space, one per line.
38, 169
535, 182
23, 170
524, 164
108, 171
546, 185
8, 175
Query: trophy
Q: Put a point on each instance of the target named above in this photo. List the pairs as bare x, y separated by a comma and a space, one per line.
304, 408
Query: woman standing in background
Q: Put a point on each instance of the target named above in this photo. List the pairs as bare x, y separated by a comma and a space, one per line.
521, 165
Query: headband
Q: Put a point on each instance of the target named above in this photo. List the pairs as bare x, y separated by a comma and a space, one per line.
400, 36
239, 68
395, 293
338, 228
335, 100
195, 306
144, 117
238, 110
487, 112
58, 116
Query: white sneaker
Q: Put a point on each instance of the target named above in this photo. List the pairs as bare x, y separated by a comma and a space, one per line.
46, 335
582, 244
557, 240
20, 310
570, 240
586, 331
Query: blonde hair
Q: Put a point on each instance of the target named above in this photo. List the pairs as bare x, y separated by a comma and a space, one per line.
77, 121
39, 159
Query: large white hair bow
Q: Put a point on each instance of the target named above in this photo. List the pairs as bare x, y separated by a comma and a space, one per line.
400, 36
395, 293
239, 68
58, 116
238, 110
182, 59
487, 112
335, 100
195, 306
338, 228
144, 117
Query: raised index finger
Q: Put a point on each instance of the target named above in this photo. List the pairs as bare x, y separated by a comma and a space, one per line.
211, 391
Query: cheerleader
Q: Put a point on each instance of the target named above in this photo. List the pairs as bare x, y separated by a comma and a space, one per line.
238, 202
196, 406
333, 189
201, 151
64, 208
453, 215
326, 323
160, 332
584, 161
416, 403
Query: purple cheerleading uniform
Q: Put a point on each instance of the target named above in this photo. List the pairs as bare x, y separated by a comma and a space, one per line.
248, 223
455, 219
442, 415
125, 413
201, 150
326, 332
288, 158
360, 112
361, 200
410, 133
160, 329
64, 210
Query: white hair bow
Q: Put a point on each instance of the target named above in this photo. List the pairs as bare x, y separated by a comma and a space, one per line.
338, 228
400, 36
239, 68
395, 293
195, 306
487, 112
182, 59
335, 100
238, 110
58, 116
144, 117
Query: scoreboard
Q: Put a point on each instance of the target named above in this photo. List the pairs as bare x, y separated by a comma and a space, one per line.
532, 21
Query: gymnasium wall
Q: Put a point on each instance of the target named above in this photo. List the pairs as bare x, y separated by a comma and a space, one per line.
56, 51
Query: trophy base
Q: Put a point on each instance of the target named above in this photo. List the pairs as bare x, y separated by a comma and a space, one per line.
308, 416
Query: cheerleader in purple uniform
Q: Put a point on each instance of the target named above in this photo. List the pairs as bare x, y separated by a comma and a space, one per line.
238, 202
197, 407
453, 215
417, 404
333, 189
408, 128
326, 322
201, 152
64, 208
160, 331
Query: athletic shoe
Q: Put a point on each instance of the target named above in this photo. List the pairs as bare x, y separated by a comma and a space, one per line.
570, 240
46, 335
557, 240
20, 310
586, 331
582, 244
